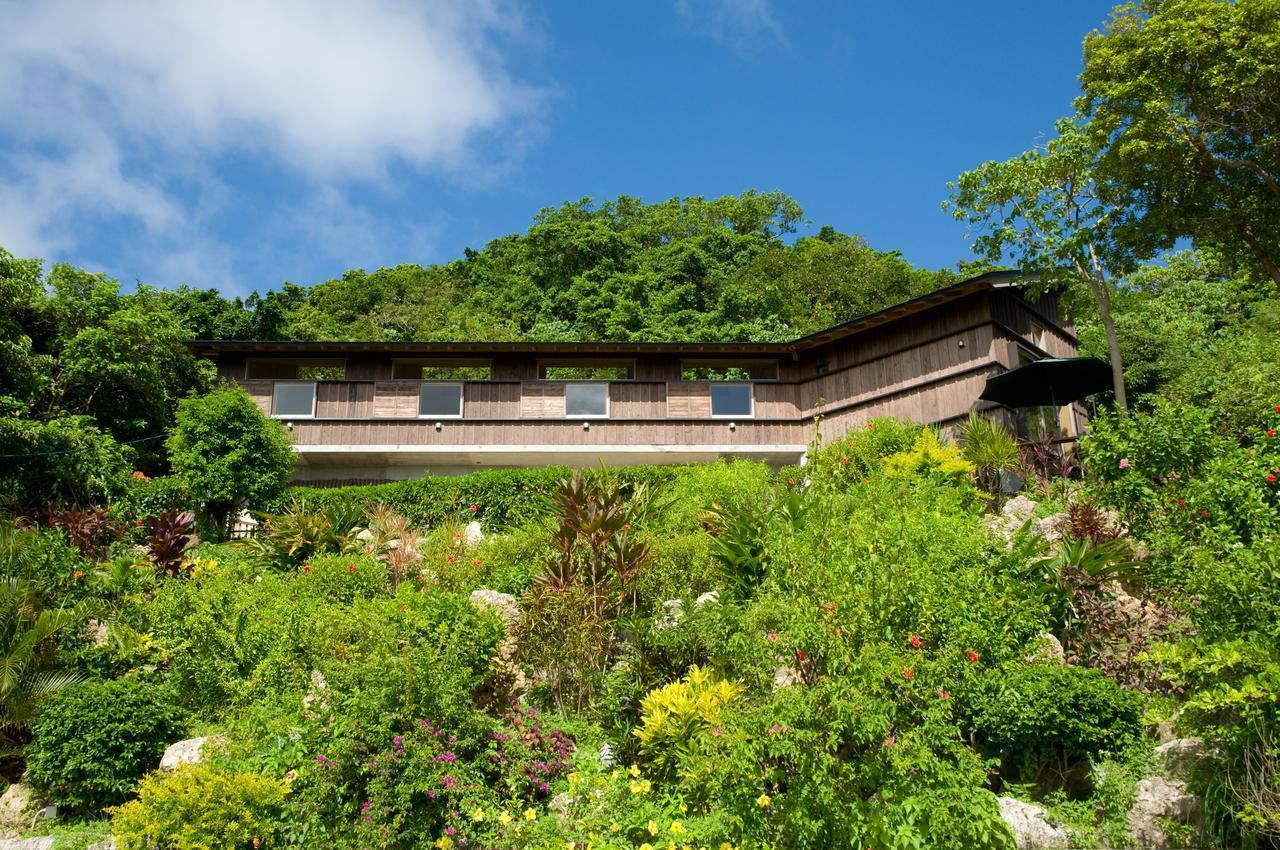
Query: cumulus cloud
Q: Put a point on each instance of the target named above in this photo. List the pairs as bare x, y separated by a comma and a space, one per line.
132, 109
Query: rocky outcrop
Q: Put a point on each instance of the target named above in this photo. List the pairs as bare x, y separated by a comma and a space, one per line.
44, 842
1013, 515
1046, 649
711, 597
189, 751
785, 677
672, 614
472, 535
1030, 825
1160, 801
1179, 757
19, 806
509, 682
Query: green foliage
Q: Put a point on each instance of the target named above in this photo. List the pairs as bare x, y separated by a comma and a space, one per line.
990, 447
861, 452
94, 741
932, 459
199, 808
1186, 95
1047, 717
228, 451
678, 718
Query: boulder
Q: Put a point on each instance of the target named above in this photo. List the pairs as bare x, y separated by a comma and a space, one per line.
509, 681
364, 535
1030, 825
18, 806
672, 614
1157, 801
785, 677
1179, 757
561, 804
1012, 516
711, 597
1046, 649
183, 752
97, 632
318, 692
44, 842
472, 534
504, 604
1053, 527
108, 843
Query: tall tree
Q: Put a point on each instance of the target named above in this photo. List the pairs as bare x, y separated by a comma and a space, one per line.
1043, 211
1184, 96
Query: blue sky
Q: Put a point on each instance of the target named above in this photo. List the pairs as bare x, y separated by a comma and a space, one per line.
239, 145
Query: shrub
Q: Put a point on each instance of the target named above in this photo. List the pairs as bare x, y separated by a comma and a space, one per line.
1047, 718
861, 452
676, 717
199, 808
930, 458
226, 450
94, 741
990, 447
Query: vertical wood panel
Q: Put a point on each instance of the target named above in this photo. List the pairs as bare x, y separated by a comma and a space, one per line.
395, 399
260, 392
542, 400
688, 399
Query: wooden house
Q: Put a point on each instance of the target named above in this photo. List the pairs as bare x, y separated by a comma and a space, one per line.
377, 411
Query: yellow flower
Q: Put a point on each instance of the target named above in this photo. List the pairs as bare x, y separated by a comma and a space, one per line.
635, 770
763, 801
444, 842
653, 828
641, 787
646, 846
569, 845
573, 779
677, 827
726, 846
478, 815
504, 818
530, 814
615, 827
683, 808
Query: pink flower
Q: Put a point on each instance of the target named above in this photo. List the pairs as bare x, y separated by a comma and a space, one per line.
717, 731
888, 742
473, 508
1124, 463
773, 635
971, 656
478, 562
944, 694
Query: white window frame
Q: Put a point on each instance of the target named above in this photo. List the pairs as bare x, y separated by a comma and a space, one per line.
751, 397
607, 400
314, 395
456, 384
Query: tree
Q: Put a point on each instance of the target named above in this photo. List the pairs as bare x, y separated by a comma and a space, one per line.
1043, 210
1184, 98
229, 451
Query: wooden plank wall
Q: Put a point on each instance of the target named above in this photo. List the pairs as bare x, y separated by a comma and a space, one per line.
491, 400
260, 392
566, 432
542, 400
638, 400
688, 399
345, 400
395, 399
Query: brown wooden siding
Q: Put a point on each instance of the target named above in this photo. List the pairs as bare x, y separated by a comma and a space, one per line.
526, 432
542, 400
484, 400
688, 399
637, 400
260, 392
395, 399
345, 400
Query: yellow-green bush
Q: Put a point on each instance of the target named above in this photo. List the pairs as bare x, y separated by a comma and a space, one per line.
198, 808
676, 716
930, 458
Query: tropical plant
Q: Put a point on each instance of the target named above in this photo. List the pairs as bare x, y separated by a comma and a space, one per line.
676, 717
990, 447
170, 534
295, 535
930, 458
29, 671
90, 529
738, 535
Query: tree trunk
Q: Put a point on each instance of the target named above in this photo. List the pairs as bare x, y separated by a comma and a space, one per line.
1102, 297
1268, 264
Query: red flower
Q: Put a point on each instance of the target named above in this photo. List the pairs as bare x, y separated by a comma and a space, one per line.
1181, 502
972, 656
1204, 514
351, 568
1271, 478
908, 674
474, 508
626, 526
791, 482
139, 523
79, 574
869, 426
944, 694
448, 559
1271, 432
915, 641
800, 656
844, 460
477, 562
1278, 408
306, 568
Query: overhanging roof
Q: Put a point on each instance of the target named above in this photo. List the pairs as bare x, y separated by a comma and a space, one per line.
991, 280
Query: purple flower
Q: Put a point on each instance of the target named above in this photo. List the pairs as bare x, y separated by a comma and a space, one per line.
320, 759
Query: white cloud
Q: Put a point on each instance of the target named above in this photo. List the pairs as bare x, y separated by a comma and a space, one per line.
129, 109
745, 26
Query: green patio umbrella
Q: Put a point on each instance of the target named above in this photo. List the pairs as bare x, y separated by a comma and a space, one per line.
1051, 382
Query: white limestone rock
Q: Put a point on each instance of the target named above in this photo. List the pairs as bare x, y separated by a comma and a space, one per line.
1159, 800
1012, 516
672, 614
785, 677
473, 534
18, 806
1031, 828
1180, 756
44, 842
503, 604
711, 597
183, 752
1046, 649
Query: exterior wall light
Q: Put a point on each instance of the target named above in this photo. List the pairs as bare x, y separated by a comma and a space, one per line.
289, 425
733, 426
439, 426
962, 343
586, 426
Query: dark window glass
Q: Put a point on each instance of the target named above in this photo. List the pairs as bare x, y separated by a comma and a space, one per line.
730, 399
586, 400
